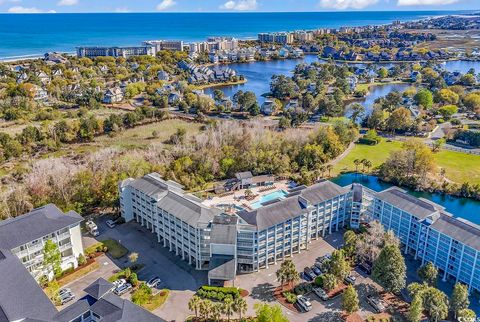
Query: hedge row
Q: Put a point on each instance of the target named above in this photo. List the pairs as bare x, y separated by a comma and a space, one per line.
218, 293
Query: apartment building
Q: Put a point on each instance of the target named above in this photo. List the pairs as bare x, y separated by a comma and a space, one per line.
178, 219
431, 234
253, 238
248, 241
173, 45
125, 52
26, 235
283, 38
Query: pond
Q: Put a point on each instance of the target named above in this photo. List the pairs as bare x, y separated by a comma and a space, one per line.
259, 75
459, 207
463, 66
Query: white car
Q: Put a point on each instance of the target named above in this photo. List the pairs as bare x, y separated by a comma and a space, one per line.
304, 303
119, 282
110, 223
154, 281
122, 289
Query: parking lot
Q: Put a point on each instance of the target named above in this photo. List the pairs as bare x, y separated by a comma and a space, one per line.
183, 280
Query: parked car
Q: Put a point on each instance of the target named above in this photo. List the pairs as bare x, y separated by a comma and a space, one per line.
305, 277
110, 223
318, 265
64, 291
376, 303
316, 270
122, 289
365, 268
66, 297
350, 279
154, 281
92, 228
304, 303
309, 272
119, 282
320, 293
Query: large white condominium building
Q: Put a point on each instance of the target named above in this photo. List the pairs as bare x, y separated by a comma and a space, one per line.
125, 52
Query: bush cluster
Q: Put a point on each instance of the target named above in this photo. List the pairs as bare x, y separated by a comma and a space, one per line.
303, 288
290, 297
218, 293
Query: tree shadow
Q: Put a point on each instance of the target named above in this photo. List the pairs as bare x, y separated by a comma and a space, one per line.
327, 317
263, 292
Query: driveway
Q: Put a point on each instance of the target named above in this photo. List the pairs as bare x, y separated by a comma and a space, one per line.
107, 268
175, 273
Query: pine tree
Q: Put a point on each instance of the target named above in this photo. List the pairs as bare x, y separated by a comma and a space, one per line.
350, 300
416, 308
459, 300
389, 269
428, 273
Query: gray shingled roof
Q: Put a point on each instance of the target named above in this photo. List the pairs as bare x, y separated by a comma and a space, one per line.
322, 191
20, 295
243, 175
35, 224
459, 229
223, 234
72, 311
99, 288
173, 199
222, 267
273, 213
187, 209
278, 211
402, 200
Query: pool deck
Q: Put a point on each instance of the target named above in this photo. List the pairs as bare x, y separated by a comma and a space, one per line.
237, 197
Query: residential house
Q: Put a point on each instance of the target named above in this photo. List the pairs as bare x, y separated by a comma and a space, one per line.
113, 95
268, 107
163, 76
174, 98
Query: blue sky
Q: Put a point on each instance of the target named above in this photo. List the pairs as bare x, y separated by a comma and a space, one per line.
40, 6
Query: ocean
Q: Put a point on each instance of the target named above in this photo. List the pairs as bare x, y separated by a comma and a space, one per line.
24, 35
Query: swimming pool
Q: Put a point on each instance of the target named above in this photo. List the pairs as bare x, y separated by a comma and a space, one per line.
279, 194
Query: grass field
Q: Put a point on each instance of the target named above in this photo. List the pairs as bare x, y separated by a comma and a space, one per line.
459, 167
141, 136
115, 248
156, 300
376, 154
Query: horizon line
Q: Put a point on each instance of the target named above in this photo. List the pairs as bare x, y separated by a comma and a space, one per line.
237, 12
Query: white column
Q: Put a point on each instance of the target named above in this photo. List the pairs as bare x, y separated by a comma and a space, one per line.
473, 271
460, 263
448, 261
266, 248
408, 234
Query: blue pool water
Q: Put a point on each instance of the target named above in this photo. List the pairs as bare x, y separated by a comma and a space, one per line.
279, 194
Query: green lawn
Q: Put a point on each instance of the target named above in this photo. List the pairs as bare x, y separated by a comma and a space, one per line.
377, 154
115, 248
156, 300
459, 167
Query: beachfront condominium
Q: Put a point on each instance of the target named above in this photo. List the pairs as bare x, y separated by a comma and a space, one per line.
431, 234
173, 45
283, 38
25, 236
125, 52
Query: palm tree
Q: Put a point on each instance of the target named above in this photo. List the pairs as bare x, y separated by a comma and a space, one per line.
363, 164
241, 306
216, 311
205, 308
287, 273
194, 304
228, 308
329, 168
357, 163
368, 164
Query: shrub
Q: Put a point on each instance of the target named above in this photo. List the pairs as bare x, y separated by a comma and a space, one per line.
218, 293
133, 279
456, 122
290, 297
81, 260
319, 280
